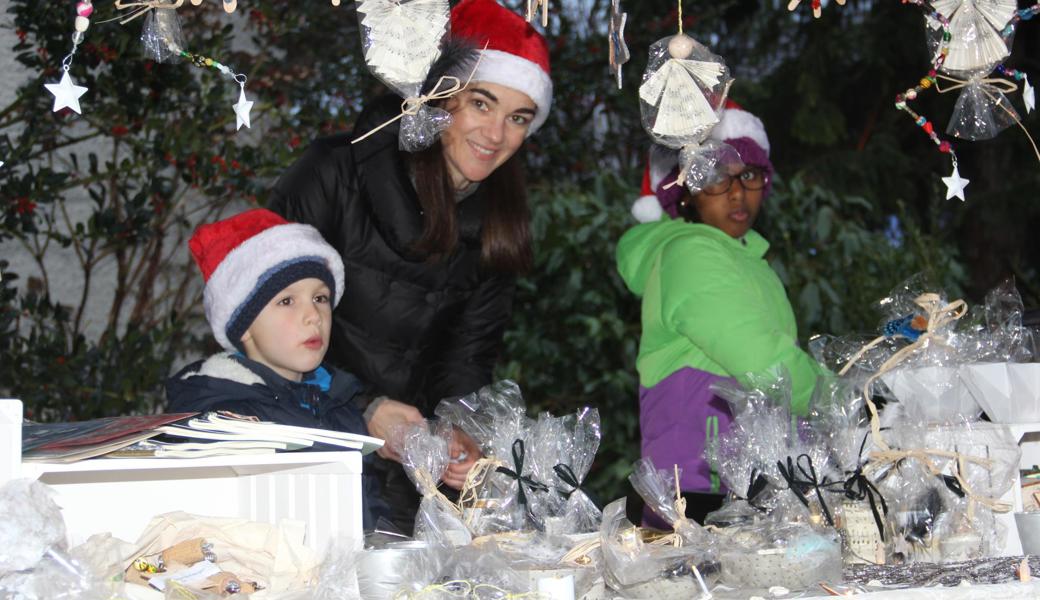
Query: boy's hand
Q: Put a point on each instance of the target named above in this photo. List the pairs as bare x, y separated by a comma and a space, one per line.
464, 452
388, 416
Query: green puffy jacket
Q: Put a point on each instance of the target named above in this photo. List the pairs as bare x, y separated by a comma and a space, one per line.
711, 302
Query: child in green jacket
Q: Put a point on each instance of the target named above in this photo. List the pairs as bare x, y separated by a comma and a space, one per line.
712, 307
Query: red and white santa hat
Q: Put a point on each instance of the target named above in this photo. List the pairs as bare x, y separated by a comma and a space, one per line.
737, 127
247, 259
517, 56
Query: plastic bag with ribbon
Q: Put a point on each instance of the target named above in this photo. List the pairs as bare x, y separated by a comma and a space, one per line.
424, 457
639, 569
563, 450
660, 490
982, 110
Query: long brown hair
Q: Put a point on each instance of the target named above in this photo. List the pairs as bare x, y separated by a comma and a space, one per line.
505, 233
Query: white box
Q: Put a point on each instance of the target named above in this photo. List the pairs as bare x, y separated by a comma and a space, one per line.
322, 489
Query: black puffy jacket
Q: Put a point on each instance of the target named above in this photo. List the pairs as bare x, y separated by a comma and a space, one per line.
416, 331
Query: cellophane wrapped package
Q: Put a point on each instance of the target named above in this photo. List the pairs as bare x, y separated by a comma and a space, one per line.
537, 480
638, 569
659, 490
562, 451
34, 563
425, 457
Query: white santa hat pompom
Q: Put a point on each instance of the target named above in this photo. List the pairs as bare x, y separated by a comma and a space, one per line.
647, 209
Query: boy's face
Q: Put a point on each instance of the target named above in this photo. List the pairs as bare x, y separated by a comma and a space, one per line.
291, 334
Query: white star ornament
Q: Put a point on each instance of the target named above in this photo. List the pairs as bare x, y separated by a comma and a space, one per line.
955, 185
66, 94
242, 109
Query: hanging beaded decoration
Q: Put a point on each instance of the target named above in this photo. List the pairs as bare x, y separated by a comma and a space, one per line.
955, 183
244, 105
66, 92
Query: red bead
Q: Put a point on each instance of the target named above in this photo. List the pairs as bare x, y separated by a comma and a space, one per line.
927, 127
944, 146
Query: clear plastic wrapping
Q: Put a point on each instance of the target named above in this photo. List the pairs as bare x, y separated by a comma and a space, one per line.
982, 111
34, 564
401, 40
793, 555
660, 489
637, 569
425, 456
161, 35
539, 465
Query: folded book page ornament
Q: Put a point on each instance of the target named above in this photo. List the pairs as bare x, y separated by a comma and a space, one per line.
401, 40
532, 11
684, 89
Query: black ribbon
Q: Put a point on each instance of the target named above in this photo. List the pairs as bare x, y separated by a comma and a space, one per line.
566, 475
858, 487
801, 487
517, 474
954, 484
756, 485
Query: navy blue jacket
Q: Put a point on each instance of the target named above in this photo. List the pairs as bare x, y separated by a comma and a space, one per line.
235, 383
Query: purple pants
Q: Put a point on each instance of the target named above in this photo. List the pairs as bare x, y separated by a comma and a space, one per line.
678, 418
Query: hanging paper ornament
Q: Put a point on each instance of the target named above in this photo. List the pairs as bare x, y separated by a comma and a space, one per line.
683, 89
401, 40
976, 45
230, 6
618, 50
532, 10
161, 35
66, 92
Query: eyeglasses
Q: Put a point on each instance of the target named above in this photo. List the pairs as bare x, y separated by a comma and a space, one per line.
751, 180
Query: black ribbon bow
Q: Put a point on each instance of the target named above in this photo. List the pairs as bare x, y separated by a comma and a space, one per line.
756, 485
566, 475
858, 487
517, 474
801, 487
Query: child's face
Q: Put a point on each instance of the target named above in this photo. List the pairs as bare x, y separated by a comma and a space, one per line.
291, 334
735, 209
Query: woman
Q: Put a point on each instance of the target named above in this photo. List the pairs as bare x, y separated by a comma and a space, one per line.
432, 241
712, 307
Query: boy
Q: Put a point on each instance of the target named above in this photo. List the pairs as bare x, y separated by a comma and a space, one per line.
271, 286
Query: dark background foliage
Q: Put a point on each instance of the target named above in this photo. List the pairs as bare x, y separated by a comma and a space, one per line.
859, 205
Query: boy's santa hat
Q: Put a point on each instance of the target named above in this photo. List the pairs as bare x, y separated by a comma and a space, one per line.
736, 127
517, 56
247, 259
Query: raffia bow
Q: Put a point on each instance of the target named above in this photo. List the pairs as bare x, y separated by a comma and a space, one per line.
412, 105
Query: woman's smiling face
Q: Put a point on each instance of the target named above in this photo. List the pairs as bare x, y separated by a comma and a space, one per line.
489, 124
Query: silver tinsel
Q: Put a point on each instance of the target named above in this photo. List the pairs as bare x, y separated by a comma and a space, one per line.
979, 571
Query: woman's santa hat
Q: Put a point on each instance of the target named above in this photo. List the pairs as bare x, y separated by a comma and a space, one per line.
248, 259
737, 127
517, 56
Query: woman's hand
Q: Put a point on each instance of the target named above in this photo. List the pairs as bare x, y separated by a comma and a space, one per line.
464, 452
388, 417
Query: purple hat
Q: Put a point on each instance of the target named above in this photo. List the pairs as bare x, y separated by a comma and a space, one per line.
738, 128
